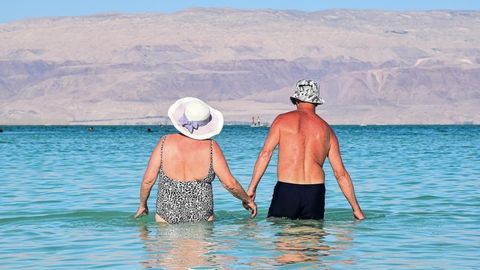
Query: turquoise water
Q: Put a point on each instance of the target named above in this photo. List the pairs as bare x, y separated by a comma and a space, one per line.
68, 196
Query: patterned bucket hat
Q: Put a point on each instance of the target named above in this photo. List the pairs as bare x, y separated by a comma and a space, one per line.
307, 91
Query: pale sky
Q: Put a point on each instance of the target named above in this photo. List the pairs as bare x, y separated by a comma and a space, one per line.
11, 10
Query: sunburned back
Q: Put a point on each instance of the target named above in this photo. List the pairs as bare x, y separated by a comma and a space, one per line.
303, 147
186, 159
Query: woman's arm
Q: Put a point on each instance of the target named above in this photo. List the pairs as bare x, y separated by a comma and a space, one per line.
149, 179
231, 184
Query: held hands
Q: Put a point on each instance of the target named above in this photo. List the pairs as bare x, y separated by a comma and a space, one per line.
142, 210
250, 205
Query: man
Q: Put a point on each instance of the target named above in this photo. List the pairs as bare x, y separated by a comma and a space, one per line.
305, 140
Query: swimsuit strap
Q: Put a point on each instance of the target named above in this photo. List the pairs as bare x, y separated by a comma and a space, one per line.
162, 140
211, 156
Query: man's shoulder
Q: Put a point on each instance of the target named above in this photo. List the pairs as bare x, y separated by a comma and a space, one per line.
287, 114
323, 121
285, 117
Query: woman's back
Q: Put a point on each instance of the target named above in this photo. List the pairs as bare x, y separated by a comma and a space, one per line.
185, 193
185, 159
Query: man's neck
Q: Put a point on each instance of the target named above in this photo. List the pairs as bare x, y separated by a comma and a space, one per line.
306, 107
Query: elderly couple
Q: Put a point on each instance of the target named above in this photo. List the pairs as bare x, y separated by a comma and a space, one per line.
186, 163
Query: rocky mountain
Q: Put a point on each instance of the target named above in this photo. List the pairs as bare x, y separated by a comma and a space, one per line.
374, 67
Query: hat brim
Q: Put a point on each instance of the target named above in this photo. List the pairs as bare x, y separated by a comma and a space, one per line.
214, 127
294, 101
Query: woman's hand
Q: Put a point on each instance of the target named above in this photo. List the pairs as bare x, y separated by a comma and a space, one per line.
142, 210
252, 206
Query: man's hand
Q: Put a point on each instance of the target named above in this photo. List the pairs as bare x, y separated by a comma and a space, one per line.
252, 206
358, 214
142, 210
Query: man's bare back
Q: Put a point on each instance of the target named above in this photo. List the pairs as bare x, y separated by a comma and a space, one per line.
303, 146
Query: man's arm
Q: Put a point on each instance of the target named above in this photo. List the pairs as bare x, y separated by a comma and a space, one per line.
343, 178
149, 179
264, 157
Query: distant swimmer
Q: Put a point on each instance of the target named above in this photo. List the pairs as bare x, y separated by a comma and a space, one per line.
149, 130
305, 140
90, 129
1, 130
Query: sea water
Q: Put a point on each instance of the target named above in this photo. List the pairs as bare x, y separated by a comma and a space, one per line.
68, 196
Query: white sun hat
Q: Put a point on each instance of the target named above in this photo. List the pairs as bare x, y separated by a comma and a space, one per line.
195, 119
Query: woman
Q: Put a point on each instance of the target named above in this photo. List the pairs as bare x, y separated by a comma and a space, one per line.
186, 164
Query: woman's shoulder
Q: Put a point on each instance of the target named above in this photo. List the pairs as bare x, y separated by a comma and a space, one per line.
170, 137
215, 146
181, 139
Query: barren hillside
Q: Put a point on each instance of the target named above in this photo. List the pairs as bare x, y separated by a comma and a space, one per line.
374, 67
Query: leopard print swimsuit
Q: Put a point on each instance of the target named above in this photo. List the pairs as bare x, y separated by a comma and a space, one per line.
185, 201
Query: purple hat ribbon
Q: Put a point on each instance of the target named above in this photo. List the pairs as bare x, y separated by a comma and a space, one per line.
192, 125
